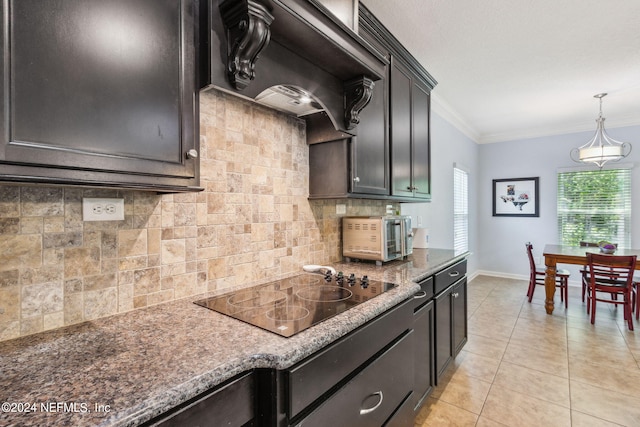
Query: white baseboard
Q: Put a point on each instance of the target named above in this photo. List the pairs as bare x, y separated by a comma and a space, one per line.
576, 283
502, 275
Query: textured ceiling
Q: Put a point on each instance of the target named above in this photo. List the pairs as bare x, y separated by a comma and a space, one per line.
512, 69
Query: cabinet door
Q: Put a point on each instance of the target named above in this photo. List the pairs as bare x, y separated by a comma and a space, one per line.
443, 332
421, 169
100, 92
423, 328
400, 123
459, 314
410, 148
370, 159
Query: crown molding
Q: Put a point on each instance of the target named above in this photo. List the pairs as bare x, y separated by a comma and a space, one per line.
446, 111
538, 132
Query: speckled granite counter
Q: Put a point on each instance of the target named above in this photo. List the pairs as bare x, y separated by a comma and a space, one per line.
126, 369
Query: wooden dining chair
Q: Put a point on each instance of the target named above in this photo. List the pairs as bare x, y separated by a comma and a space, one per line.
583, 271
610, 277
536, 277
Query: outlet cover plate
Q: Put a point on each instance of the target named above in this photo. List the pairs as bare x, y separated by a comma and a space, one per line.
102, 209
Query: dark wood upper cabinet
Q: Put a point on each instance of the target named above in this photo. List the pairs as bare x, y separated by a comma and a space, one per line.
410, 138
100, 93
371, 146
409, 88
400, 124
421, 125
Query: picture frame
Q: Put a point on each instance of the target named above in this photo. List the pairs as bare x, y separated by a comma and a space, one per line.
516, 197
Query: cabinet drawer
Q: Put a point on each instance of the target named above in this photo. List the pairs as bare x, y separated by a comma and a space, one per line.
315, 376
449, 276
404, 415
372, 395
425, 294
230, 405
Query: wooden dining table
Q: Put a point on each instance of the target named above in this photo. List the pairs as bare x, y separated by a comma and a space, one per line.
564, 254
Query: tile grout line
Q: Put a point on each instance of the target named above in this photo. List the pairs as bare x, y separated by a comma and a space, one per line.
524, 300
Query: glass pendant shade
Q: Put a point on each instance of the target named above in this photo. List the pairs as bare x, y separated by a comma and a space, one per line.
601, 148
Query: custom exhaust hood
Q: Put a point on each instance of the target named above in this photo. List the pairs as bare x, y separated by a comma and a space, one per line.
294, 56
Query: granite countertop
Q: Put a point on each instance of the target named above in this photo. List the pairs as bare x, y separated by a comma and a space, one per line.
126, 369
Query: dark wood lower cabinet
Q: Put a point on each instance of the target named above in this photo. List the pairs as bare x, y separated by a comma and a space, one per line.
372, 396
443, 332
423, 355
459, 316
311, 381
451, 324
423, 325
363, 379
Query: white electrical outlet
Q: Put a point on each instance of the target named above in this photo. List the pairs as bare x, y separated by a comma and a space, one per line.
341, 209
102, 209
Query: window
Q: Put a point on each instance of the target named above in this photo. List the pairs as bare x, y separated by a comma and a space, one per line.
460, 210
594, 206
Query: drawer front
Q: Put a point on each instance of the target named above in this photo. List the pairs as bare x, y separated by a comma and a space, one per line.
404, 415
231, 405
449, 276
373, 395
315, 376
425, 293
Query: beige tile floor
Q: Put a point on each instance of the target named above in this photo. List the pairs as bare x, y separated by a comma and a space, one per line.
522, 367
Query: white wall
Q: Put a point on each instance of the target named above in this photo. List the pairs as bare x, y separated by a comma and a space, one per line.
449, 146
501, 239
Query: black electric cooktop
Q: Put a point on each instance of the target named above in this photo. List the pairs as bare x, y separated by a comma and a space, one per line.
291, 305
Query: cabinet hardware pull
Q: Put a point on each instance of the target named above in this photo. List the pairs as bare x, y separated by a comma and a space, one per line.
455, 295
192, 154
367, 411
356, 179
454, 273
420, 295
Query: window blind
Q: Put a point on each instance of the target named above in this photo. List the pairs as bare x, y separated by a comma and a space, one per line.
594, 206
460, 210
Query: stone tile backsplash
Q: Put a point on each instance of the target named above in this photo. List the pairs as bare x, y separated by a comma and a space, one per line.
252, 223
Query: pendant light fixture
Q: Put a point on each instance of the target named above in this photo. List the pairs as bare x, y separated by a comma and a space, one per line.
601, 148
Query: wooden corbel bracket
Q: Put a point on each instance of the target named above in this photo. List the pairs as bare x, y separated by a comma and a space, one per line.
247, 23
357, 94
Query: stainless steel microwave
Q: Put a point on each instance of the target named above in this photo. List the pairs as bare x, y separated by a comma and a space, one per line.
378, 238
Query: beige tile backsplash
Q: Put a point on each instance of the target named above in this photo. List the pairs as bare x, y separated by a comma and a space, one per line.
252, 223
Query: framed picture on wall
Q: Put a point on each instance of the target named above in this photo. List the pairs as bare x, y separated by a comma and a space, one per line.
516, 197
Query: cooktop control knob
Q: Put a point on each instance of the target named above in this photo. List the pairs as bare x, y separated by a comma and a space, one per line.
364, 282
340, 278
351, 280
327, 276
